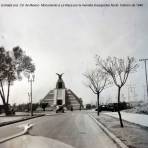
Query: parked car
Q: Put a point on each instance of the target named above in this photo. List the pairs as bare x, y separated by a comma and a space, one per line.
114, 107
103, 107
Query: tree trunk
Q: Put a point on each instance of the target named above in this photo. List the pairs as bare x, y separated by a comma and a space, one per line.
80, 107
2, 97
3, 94
98, 95
6, 107
8, 92
120, 118
7, 110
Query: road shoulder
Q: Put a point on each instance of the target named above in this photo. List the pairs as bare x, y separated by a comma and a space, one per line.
110, 134
132, 135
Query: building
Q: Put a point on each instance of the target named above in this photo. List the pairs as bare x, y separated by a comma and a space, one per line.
62, 96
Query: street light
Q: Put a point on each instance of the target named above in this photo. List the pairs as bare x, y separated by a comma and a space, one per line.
29, 101
31, 77
145, 74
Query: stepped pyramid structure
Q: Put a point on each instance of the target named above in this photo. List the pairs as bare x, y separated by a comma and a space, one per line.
62, 96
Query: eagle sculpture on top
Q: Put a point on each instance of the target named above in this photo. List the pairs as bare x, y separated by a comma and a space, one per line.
60, 75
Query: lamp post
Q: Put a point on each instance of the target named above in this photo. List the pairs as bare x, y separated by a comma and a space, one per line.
29, 101
31, 80
144, 60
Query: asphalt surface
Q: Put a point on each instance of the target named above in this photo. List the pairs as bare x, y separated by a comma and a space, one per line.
73, 128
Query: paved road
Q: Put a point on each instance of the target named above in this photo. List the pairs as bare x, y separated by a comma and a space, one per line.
73, 128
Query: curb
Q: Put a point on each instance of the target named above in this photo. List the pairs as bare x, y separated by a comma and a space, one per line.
19, 120
25, 131
111, 135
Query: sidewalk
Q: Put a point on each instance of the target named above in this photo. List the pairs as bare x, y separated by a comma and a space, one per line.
22, 116
139, 119
6, 120
133, 135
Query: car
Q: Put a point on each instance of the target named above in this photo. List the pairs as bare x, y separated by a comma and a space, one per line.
60, 108
103, 107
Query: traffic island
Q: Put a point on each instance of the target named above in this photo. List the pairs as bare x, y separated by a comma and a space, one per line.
132, 135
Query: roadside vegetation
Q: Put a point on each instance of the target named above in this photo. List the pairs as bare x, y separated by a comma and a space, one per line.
115, 69
12, 64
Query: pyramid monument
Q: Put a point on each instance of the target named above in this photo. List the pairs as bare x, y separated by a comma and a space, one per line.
62, 96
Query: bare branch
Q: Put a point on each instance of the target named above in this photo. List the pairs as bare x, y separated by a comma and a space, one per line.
92, 89
96, 80
118, 68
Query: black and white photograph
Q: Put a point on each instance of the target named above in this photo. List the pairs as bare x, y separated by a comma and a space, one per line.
73, 74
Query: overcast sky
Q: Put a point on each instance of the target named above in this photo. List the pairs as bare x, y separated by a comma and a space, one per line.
65, 40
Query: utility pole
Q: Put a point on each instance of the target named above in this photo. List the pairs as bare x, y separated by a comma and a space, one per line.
31, 80
144, 92
144, 60
29, 104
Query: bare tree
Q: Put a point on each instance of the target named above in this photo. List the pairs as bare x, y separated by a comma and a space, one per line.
12, 64
97, 81
119, 69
